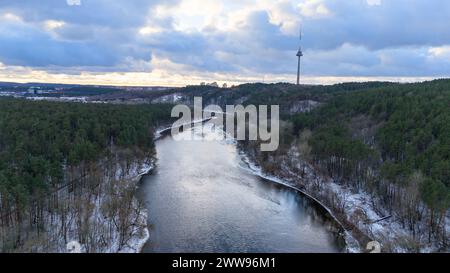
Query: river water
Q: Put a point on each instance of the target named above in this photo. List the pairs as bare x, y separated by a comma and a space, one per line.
203, 198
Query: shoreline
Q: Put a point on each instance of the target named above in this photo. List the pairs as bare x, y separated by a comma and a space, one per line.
375, 225
139, 243
351, 244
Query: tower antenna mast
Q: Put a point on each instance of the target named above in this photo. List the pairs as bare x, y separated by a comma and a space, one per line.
299, 55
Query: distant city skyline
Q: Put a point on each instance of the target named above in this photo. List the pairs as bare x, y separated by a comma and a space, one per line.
186, 42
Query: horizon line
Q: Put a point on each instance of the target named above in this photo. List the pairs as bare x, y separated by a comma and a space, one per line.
220, 82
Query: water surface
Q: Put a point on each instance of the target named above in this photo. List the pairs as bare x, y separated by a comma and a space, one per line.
202, 198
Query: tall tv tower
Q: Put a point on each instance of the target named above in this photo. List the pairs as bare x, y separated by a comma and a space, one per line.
299, 55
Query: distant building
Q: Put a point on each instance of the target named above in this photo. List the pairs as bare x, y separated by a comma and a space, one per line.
214, 84
203, 84
34, 90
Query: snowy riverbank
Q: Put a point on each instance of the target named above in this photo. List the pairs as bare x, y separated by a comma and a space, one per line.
109, 219
139, 237
356, 209
352, 245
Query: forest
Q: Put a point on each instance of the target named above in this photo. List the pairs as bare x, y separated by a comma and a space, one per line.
57, 159
389, 140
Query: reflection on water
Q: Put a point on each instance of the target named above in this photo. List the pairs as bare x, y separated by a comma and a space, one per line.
202, 199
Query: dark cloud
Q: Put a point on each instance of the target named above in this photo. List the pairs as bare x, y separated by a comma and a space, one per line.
28, 46
352, 39
96, 33
105, 13
393, 23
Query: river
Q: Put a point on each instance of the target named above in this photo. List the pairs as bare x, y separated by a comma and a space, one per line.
203, 198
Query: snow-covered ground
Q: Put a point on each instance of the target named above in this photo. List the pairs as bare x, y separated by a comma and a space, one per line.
139, 233
139, 238
107, 222
352, 244
358, 206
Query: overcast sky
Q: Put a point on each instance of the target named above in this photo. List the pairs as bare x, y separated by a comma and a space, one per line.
178, 42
